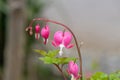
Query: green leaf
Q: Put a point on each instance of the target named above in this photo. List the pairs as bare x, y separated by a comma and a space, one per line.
99, 76
53, 60
66, 60
114, 76
50, 53
42, 52
53, 53
49, 60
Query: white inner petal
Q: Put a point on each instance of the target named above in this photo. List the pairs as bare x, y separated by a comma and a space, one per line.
72, 77
61, 49
37, 36
46, 40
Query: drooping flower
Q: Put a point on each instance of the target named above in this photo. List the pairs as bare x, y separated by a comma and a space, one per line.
62, 39
73, 70
45, 33
37, 31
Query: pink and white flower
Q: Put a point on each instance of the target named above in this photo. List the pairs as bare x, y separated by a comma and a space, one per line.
37, 31
62, 39
45, 33
73, 70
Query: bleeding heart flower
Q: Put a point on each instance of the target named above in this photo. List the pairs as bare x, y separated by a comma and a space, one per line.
73, 70
62, 39
37, 31
45, 33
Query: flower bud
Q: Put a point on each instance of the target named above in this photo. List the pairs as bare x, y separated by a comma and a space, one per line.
37, 31
45, 33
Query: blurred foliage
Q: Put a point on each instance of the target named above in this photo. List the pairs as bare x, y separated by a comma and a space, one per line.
104, 76
114, 76
45, 73
3, 11
3, 7
99, 76
34, 8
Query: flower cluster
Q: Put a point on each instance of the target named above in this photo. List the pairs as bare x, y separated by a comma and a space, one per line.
45, 32
61, 39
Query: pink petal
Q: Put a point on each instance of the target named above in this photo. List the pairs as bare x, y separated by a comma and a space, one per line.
37, 28
54, 44
45, 32
67, 38
45, 41
68, 71
73, 68
70, 46
37, 36
58, 37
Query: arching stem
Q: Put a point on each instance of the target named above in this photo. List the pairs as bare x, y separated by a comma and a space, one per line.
66, 27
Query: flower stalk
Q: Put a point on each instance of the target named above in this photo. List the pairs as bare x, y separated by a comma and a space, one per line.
75, 39
61, 71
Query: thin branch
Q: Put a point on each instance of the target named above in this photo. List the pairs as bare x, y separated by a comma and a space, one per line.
60, 71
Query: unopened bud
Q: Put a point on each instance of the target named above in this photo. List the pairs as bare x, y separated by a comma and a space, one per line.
27, 29
30, 32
